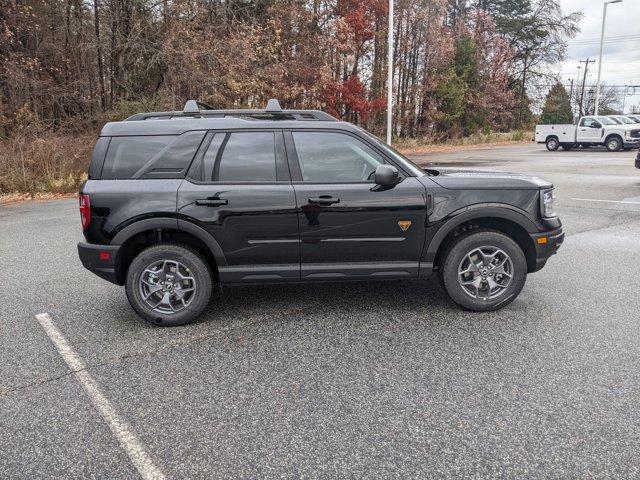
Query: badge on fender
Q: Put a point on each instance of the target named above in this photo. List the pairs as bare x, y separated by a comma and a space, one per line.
404, 224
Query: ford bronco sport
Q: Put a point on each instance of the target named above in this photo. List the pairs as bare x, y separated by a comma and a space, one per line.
178, 202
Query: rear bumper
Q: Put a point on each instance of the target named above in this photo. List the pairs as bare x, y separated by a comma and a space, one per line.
100, 259
547, 244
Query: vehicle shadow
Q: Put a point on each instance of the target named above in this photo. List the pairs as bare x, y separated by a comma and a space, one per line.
294, 301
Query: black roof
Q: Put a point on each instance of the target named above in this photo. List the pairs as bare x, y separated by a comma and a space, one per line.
195, 118
273, 111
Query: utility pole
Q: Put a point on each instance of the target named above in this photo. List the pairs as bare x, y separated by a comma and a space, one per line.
584, 80
390, 74
578, 86
571, 94
604, 17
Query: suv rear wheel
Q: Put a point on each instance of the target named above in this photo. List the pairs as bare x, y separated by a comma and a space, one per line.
484, 270
169, 284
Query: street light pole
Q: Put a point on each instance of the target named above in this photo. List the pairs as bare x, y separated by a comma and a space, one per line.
604, 16
390, 73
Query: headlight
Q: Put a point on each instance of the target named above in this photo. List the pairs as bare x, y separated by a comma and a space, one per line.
547, 203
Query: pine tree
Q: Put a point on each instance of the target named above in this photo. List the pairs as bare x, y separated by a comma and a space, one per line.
557, 106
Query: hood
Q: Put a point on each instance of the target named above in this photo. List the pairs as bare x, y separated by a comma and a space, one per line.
469, 179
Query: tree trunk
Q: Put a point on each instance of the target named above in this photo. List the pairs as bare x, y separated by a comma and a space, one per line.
96, 23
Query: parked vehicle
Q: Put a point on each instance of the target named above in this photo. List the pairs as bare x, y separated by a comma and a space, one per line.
590, 131
178, 202
623, 120
635, 118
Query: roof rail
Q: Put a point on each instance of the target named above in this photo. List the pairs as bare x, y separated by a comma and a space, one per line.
273, 111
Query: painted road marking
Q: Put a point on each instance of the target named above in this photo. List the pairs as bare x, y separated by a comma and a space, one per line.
630, 202
119, 427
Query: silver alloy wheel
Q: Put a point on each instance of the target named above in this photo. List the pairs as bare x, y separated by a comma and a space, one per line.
552, 144
167, 286
485, 272
613, 144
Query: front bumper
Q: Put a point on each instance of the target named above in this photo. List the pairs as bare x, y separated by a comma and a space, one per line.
547, 244
100, 259
631, 142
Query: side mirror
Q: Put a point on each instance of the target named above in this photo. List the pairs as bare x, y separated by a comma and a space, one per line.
387, 175
596, 125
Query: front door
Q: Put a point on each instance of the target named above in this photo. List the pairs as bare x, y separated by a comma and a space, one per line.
589, 130
349, 226
239, 189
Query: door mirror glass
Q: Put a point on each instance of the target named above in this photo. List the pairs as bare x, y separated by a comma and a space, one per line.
596, 125
387, 175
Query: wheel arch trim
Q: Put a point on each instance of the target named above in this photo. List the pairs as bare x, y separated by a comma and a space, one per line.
500, 211
174, 224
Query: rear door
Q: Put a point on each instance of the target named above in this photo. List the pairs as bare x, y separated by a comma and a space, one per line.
239, 189
349, 226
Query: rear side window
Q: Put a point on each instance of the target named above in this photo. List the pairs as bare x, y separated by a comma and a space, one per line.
237, 157
97, 159
159, 156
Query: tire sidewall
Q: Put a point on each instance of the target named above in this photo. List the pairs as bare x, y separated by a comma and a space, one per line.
552, 144
463, 246
199, 269
618, 144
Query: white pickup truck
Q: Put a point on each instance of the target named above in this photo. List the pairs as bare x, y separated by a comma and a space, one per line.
590, 131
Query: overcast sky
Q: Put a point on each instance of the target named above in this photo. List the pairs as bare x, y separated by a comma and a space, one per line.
621, 55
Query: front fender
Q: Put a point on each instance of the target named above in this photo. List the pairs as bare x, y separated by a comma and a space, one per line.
473, 212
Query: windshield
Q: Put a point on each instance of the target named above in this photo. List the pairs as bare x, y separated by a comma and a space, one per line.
606, 121
624, 120
412, 167
635, 118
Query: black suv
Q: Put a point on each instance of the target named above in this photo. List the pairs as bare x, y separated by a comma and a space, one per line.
179, 201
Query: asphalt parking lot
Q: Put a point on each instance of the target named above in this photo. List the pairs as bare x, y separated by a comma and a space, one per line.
358, 380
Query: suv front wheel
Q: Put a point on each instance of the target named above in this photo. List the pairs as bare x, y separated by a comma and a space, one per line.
169, 284
484, 270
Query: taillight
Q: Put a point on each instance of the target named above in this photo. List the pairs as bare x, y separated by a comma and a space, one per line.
85, 210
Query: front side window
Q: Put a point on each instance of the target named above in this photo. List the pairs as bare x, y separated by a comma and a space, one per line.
238, 157
332, 157
588, 122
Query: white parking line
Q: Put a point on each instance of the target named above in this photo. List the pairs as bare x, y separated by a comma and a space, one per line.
632, 202
120, 428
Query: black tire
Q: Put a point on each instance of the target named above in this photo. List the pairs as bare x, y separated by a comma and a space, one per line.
552, 144
198, 269
613, 143
458, 251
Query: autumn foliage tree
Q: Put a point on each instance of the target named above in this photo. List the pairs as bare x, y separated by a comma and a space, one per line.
68, 65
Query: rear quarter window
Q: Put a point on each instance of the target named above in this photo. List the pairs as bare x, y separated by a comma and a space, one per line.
97, 159
151, 156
